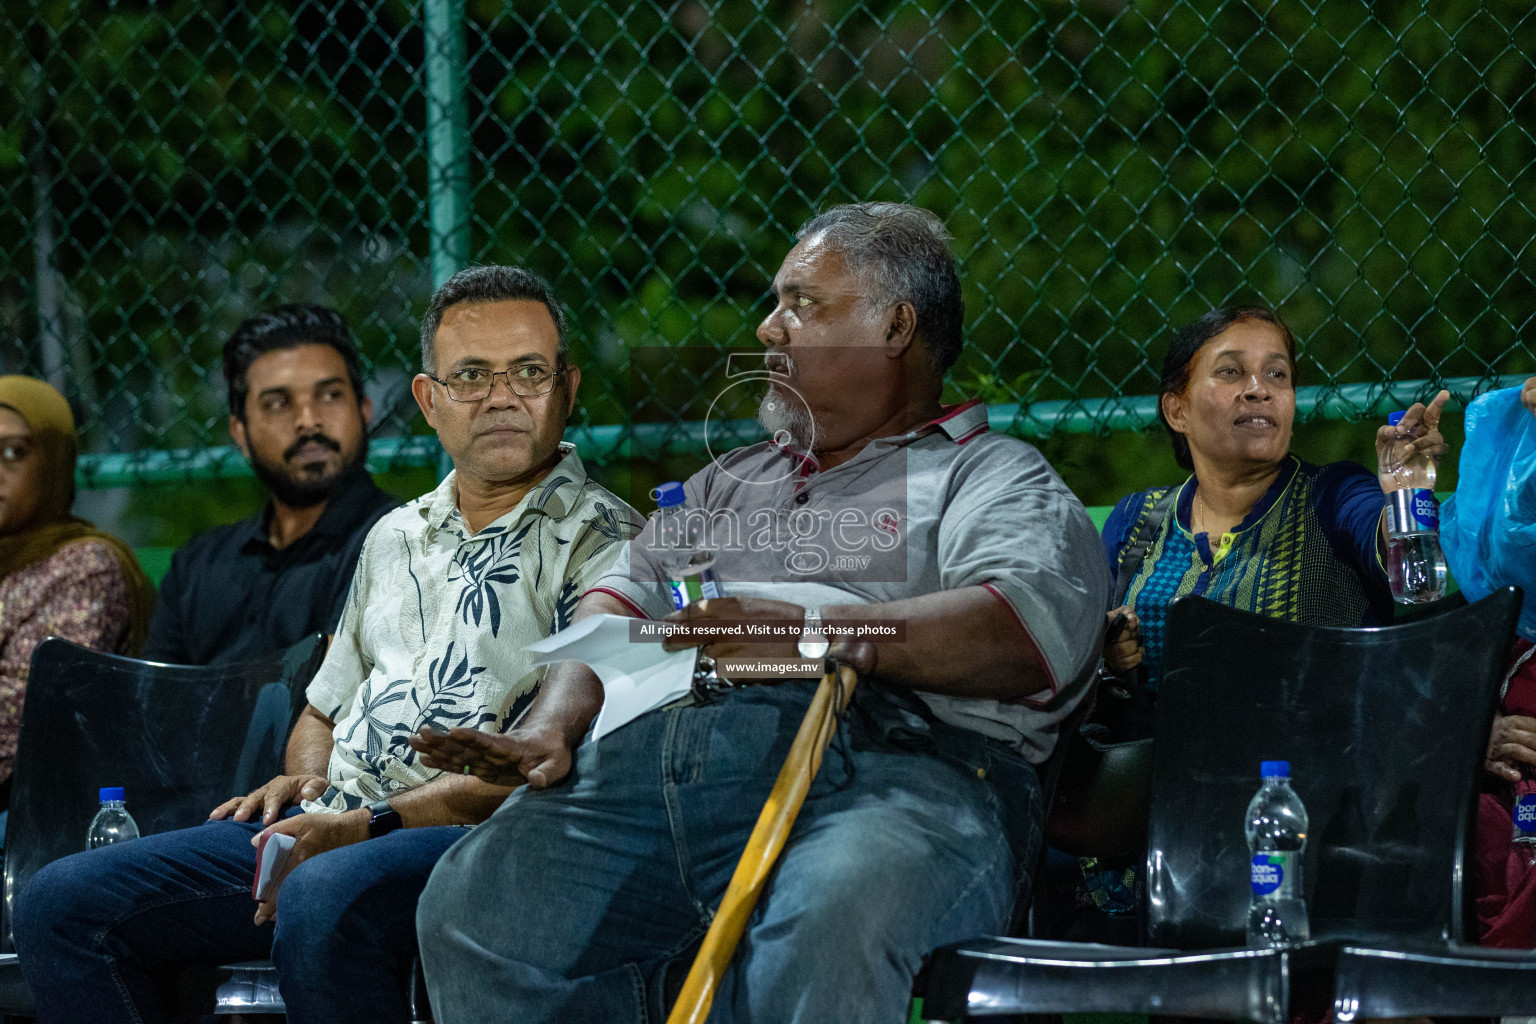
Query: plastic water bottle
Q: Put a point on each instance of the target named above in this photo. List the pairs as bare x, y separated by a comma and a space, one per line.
1415, 566
1277, 836
680, 548
113, 823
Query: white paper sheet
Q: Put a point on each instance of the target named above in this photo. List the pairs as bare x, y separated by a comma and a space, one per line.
637, 677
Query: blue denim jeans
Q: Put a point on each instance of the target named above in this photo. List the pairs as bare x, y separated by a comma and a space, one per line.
572, 904
101, 934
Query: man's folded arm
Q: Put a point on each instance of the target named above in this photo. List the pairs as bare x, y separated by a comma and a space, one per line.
571, 694
961, 643
1025, 553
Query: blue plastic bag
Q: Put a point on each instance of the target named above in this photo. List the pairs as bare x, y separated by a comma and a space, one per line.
1488, 527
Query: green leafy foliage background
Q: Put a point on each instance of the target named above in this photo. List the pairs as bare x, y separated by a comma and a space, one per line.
1109, 170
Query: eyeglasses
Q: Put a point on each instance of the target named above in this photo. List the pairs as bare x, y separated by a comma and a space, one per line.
474, 384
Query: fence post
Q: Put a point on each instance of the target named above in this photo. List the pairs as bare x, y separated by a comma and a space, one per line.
51, 330
447, 147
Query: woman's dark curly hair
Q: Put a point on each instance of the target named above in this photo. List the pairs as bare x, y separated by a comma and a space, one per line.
1189, 341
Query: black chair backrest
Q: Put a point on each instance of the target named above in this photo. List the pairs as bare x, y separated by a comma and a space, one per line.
1385, 730
180, 739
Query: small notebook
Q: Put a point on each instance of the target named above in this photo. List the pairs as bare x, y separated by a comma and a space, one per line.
271, 854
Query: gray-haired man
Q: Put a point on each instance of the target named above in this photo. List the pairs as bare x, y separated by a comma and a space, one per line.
873, 502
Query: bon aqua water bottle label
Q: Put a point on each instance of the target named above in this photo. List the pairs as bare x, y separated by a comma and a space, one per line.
679, 594
1273, 874
692, 588
1426, 511
1412, 511
1525, 813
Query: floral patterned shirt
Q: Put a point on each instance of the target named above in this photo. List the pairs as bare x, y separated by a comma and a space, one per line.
437, 619
77, 593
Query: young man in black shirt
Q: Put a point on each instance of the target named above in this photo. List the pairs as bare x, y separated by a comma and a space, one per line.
298, 412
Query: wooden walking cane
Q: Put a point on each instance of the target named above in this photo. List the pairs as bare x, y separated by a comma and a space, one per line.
764, 845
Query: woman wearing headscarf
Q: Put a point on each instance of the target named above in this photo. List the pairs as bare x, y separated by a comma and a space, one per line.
59, 575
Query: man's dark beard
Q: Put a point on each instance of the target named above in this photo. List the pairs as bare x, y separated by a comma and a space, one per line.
302, 493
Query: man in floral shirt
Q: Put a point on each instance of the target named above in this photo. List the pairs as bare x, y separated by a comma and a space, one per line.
449, 590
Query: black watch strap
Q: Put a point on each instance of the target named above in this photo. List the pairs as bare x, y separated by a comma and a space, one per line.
383, 819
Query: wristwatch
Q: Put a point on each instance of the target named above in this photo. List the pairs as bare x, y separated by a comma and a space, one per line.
384, 819
813, 638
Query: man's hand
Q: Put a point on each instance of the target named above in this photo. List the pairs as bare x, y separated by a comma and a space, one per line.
1123, 652
537, 756
724, 611
272, 799
1418, 432
1528, 394
1511, 744
314, 834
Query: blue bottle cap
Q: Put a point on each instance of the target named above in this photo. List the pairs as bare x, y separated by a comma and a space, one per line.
669, 495
1394, 418
111, 793
1275, 769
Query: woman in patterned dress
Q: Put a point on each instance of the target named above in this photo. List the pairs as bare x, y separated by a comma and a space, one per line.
1253, 527
59, 575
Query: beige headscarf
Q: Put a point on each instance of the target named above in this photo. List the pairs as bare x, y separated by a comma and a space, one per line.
52, 526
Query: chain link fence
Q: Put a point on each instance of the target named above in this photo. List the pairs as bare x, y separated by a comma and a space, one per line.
1109, 170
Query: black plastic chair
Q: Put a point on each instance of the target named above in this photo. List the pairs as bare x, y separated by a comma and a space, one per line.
1385, 730
180, 739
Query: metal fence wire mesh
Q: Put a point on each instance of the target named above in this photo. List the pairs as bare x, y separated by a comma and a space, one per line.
1109, 170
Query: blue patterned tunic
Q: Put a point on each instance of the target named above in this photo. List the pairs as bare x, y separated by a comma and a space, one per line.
1308, 551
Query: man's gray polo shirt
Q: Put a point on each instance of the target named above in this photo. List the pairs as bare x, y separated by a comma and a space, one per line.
945, 506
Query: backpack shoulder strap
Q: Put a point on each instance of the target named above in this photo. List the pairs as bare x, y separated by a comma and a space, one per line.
1154, 512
